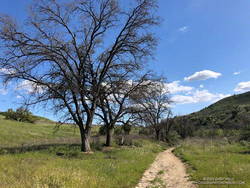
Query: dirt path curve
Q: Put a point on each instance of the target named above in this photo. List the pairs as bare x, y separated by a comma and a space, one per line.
166, 171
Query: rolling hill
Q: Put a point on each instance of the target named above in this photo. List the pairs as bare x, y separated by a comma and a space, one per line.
16, 134
229, 113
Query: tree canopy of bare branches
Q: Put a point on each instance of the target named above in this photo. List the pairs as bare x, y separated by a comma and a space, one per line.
115, 104
153, 103
67, 50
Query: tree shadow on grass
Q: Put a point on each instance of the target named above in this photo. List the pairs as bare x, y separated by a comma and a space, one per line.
245, 152
29, 148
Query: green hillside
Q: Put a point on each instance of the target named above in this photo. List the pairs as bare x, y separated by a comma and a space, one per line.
229, 113
14, 134
240, 99
232, 102
34, 118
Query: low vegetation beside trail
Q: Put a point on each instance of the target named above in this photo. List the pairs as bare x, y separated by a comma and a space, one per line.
213, 160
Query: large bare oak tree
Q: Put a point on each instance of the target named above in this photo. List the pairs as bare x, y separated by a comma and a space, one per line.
67, 50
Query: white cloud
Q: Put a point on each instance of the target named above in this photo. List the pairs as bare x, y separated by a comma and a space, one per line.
201, 86
18, 97
183, 29
203, 75
182, 99
198, 96
6, 71
3, 92
236, 73
25, 85
29, 86
175, 87
242, 86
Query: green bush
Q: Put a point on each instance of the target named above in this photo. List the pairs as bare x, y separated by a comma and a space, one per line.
138, 143
173, 137
127, 128
118, 130
124, 140
245, 134
245, 143
21, 114
145, 131
102, 130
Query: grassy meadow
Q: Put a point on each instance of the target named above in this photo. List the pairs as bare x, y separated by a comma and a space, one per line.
212, 160
115, 166
16, 134
62, 164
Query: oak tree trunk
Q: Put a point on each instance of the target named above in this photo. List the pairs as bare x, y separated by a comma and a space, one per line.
85, 139
109, 132
157, 134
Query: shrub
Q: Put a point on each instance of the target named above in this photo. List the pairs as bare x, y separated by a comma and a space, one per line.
118, 130
138, 143
102, 130
245, 134
127, 128
21, 114
124, 140
173, 137
245, 143
145, 131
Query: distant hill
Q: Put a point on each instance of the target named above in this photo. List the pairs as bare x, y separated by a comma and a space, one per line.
37, 119
16, 134
229, 113
234, 100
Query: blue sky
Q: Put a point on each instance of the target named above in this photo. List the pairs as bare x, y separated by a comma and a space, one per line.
205, 41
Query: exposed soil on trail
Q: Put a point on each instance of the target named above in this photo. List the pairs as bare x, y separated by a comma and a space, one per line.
166, 171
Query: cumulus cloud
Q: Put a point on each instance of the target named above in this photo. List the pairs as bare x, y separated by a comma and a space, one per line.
242, 86
182, 99
29, 87
3, 92
18, 97
203, 75
6, 71
198, 96
175, 87
236, 73
183, 29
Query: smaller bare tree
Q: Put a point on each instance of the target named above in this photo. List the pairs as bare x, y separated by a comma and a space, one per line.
166, 126
115, 103
154, 105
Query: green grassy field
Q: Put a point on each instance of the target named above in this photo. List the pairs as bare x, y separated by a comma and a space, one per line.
106, 167
216, 160
113, 167
116, 167
15, 134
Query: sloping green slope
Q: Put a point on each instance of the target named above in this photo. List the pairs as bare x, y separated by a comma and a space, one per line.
231, 112
14, 134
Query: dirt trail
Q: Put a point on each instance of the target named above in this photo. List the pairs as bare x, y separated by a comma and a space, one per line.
166, 171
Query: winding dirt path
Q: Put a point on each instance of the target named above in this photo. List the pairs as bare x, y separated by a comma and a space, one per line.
166, 171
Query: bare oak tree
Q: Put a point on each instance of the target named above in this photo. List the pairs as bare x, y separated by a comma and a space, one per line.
166, 125
67, 50
154, 105
115, 106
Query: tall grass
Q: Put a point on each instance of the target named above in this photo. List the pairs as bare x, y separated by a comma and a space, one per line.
112, 168
16, 134
214, 159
